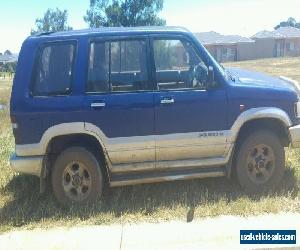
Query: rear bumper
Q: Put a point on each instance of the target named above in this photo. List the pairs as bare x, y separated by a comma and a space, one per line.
295, 136
31, 165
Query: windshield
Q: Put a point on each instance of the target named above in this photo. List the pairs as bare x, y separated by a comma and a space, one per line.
222, 69
218, 65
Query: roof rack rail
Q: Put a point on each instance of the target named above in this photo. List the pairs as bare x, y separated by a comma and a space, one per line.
45, 33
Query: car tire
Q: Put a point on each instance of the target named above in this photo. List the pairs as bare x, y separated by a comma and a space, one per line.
260, 162
76, 177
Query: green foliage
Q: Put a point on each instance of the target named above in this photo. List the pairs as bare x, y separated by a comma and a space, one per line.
124, 13
8, 67
52, 21
163, 55
291, 22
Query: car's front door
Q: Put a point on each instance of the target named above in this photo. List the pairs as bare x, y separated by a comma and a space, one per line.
189, 118
120, 101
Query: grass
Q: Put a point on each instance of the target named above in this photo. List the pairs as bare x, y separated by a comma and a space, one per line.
289, 66
21, 205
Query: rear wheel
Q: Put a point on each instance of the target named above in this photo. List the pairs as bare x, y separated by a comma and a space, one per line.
260, 162
76, 177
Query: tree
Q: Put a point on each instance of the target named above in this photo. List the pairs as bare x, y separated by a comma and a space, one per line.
52, 21
9, 67
291, 22
124, 13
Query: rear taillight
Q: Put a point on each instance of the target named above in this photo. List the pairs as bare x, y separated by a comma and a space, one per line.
13, 121
297, 109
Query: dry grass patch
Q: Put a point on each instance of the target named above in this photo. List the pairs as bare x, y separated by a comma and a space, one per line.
21, 206
289, 66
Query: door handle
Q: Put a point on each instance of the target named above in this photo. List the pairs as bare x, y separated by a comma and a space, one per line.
97, 105
167, 100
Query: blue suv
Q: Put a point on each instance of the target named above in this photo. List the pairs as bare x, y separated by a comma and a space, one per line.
125, 106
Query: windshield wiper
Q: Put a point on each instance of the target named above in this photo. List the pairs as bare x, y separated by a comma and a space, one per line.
232, 78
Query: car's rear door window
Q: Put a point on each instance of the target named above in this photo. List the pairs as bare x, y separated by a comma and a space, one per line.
53, 74
118, 66
129, 66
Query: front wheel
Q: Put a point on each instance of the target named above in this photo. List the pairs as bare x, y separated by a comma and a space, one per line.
76, 177
260, 162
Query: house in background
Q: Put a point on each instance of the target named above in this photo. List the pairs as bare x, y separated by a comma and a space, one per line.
284, 41
268, 44
226, 48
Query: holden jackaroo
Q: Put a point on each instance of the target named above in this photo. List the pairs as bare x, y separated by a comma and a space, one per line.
125, 106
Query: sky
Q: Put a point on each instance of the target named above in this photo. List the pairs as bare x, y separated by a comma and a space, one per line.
239, 17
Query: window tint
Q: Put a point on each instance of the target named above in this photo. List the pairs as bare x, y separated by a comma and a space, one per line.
178, 66
170, 55
125, 56
98, 73
54, 70
129, 66
127, 62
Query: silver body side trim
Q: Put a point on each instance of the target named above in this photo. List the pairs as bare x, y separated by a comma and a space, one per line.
127, 182
126, 149
295, 136
258, 113
57, 130
173, 164
27, 165
193, 145
208, 148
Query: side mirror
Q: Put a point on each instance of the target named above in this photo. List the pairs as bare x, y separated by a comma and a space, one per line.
203, 76
210, 76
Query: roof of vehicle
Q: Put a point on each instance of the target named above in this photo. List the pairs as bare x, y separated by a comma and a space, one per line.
114, 30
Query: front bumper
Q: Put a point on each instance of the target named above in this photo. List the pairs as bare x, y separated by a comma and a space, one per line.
295, 136
31, 165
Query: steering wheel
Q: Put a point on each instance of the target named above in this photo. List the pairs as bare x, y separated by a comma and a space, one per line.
198, 75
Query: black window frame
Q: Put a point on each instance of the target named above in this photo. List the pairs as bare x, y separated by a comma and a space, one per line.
37, 62
109, 40
86, 92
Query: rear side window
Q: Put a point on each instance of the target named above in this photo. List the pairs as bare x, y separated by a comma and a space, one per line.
129, 66
53, 74
118, 66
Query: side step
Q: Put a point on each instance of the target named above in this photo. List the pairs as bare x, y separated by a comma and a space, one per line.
118, 180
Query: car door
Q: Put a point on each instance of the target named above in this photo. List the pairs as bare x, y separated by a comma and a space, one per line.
189, 118
119, 99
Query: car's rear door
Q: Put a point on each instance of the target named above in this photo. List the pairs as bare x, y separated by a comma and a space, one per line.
119, 99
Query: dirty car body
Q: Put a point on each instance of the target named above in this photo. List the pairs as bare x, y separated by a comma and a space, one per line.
145, 105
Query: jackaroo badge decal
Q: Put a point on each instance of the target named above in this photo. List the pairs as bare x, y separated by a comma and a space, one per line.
208, 134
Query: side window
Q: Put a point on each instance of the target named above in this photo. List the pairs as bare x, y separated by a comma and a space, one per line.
53, 75
119, 65
129, 71
178, 66
98, 71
